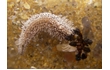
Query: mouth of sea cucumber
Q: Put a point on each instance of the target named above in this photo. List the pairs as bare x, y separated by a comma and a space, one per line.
80, 43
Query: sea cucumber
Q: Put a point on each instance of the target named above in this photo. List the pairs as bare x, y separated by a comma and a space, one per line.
56, 25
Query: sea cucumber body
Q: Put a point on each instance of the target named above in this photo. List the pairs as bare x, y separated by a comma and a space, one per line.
56, 26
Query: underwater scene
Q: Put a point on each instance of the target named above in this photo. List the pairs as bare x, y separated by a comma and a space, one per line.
54, 34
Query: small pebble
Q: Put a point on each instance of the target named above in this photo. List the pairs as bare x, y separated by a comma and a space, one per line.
37, 44
26, 5
12, 48
45, 65
88, 66
32, 67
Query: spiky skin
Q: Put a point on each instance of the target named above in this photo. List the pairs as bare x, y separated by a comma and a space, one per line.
57, 26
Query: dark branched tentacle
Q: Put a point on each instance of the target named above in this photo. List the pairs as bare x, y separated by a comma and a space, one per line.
80, 43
